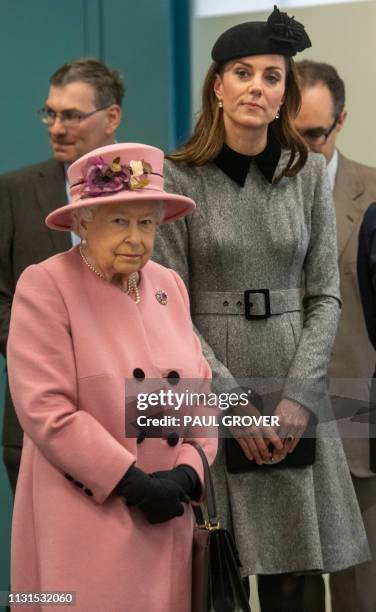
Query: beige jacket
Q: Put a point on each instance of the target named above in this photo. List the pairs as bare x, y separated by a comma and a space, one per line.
353, 356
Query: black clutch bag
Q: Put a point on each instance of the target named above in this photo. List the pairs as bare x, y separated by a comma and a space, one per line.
216, 581
303, 455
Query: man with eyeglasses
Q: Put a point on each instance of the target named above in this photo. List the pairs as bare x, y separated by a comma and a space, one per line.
321, 118
81, 113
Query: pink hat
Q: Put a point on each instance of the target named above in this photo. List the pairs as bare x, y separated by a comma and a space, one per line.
125, 172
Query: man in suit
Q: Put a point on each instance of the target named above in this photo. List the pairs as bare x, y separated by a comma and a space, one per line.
81, 113
321, 118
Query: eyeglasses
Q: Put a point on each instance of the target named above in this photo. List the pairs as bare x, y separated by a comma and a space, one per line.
69, 118
318, 136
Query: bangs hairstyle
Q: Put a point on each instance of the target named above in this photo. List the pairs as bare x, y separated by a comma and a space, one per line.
208, 136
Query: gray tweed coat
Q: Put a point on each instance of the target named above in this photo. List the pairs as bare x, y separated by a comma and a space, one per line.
280, 237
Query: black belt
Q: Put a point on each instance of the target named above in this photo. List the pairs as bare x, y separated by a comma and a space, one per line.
252, 303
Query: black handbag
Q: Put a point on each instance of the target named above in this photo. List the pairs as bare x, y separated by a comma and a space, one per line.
304, 454
216, 581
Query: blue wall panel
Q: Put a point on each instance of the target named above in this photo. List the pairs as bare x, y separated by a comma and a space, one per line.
147, 41
35, 38
138, 41
181, 71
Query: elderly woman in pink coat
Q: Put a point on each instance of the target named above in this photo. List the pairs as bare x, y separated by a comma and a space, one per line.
96, 513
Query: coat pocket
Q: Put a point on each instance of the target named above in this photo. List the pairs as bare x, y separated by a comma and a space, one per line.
103, 396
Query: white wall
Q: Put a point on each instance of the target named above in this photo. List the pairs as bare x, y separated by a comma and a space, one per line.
212, 8
343, 35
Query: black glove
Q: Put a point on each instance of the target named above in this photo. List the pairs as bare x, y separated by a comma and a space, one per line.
186, 477
160, 500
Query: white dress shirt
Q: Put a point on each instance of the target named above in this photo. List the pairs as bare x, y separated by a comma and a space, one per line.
332, 168
75, 238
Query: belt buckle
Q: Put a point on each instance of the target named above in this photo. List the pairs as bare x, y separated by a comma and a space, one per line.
248, 304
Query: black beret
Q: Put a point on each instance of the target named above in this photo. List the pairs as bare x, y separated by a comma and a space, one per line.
279, 35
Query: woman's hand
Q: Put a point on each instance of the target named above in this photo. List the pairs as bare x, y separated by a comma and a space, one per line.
159, 499
256, 440
185, 477
293, 420
164, 502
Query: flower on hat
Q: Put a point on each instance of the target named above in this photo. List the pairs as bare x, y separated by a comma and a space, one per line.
136, 167
139, 169
116, 166
100, 178
286, 29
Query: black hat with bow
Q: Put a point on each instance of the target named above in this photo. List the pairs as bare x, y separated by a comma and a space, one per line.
280, 35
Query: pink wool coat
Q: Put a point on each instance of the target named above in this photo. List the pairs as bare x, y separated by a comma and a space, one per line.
74, 339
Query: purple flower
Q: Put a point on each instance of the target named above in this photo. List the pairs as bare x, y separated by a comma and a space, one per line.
100, 178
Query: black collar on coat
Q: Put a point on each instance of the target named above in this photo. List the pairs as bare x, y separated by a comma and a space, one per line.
236, 165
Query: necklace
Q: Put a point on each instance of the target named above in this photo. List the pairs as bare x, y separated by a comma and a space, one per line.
132, 283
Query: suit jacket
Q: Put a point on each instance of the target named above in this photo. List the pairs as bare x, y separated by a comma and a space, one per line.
92, 339
353, 356
367, 285
26, 197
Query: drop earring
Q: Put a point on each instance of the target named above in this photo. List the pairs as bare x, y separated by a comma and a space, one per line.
277, 115
220, 104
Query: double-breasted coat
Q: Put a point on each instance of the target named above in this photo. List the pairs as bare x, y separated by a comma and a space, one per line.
74, 341
279, 237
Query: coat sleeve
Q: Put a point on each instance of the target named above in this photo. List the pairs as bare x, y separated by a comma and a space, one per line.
6, 273
306, 380
172, 249
188, 455
366, 265
43, 383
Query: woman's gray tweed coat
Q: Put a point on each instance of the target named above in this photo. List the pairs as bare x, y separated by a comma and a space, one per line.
279, 236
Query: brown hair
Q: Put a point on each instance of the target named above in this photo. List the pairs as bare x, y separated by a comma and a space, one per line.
310, 73
209, 133
107, 83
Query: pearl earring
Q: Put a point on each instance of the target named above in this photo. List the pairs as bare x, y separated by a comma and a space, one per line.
83, 241
277, 115
220, 104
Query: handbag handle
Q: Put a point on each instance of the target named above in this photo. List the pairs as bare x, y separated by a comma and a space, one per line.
211, 506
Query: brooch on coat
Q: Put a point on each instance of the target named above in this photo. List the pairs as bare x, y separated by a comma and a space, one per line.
161, 297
